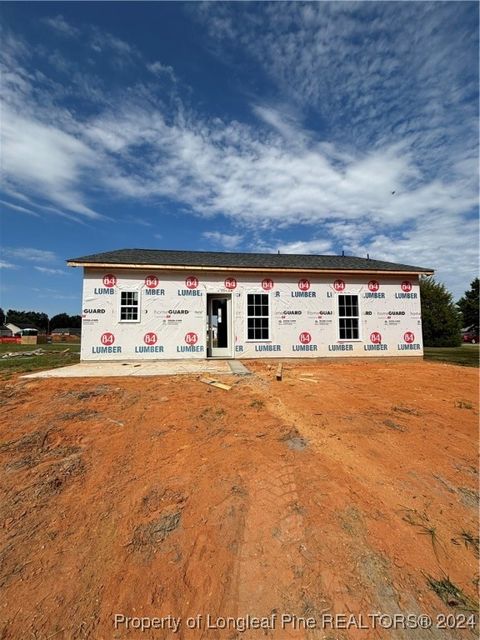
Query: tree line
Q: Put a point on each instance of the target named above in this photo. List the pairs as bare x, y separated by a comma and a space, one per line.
442, 318
41, 320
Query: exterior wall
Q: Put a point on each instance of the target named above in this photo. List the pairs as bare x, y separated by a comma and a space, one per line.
303, 315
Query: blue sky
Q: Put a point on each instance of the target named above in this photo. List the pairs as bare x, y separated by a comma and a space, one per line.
304, 127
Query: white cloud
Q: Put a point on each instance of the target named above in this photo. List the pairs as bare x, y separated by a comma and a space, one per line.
17, 207
392, 172
225, 240
27, 253
97, 39
372, 73
59, 24
310, 246
49, 271
234, 170
101, 41
47, 160
7, 265
53, 294
159, 69
282, 121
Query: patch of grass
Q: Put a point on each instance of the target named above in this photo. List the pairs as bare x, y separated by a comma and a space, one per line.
451, 595
393, 425
422, 522
470, 541
210, 413
50, 346
470, 497
148, 536
50, 359
461, 404
466, 355
408, 410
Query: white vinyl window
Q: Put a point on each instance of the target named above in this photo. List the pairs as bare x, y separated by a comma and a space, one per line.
129, 306
348, 317
258, 316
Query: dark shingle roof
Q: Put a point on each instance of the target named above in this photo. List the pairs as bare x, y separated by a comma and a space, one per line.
157, 257
24, 325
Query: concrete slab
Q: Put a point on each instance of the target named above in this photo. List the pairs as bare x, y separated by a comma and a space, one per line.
238, 368
135, 369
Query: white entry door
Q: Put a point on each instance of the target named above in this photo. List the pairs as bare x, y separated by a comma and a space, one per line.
219, 326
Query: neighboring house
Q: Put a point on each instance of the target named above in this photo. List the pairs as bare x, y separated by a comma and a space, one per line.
151, 304
25, 329
5, 332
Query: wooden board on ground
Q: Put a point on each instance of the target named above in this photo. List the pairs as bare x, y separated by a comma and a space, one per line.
279, 371
308, 380
215, 383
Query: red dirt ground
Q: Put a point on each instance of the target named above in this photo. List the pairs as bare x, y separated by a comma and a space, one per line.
341, 493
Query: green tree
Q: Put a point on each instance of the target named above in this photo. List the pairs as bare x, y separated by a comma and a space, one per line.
2, 316
469, 305
441, 319
63, 321
39, 320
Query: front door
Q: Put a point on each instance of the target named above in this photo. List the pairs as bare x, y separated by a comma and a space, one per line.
219, 342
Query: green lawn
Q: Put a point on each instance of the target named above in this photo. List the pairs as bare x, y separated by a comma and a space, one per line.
466, 355
51, 359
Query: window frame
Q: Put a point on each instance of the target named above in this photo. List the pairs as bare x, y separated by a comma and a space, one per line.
358, 317
122, 306
247, 316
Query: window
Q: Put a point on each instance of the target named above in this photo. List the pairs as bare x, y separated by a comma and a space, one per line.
348, 317
258, 316
129, 306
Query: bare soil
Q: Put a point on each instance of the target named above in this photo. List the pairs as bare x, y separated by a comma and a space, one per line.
347, 488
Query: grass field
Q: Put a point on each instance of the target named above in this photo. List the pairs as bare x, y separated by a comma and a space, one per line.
466, 355
49, 360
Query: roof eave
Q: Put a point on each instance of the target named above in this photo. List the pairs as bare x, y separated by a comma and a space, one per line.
169, 267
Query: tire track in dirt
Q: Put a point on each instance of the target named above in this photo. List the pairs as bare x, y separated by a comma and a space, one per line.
269, 557
365, 581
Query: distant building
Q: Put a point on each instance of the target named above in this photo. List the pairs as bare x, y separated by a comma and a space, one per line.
66, 334
23, 329
71, 331
5, 332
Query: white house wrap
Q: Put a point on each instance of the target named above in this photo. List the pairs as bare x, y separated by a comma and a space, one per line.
140, 304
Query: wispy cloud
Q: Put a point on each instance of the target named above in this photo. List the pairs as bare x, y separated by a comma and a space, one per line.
99, 40
59, 24
7, 265
19, 208
49, 271
48, 161
367, 140
27, 253
159, 69
54, 294
102, 41
310, 246
224, 240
